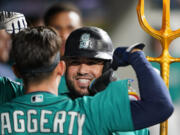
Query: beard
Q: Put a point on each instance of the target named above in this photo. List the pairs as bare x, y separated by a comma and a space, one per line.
76, 92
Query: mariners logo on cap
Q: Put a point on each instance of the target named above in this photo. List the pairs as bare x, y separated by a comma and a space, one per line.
85, 41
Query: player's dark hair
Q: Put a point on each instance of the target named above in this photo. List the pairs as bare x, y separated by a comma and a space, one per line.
36, 53
58, 8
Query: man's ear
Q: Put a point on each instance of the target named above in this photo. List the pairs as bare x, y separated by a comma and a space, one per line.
61, 67
16, 72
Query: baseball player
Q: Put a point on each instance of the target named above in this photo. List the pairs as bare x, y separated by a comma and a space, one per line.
75, 51
12, 22
82, 46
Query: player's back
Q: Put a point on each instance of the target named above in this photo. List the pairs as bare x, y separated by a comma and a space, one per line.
41, 112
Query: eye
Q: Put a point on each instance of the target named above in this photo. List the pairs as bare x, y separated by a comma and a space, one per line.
57, 28
91, 63
95, 62
74, 62
70, 28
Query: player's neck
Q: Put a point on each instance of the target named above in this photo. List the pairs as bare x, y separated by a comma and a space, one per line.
50, 85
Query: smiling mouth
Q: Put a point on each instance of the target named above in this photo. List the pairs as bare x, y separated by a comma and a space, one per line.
83, 82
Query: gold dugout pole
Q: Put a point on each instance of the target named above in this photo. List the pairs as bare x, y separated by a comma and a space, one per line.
165, 35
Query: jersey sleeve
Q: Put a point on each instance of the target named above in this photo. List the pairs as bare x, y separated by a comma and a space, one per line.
110, 109
9, 90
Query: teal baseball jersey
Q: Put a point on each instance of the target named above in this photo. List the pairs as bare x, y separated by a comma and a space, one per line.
63, 90
42, 112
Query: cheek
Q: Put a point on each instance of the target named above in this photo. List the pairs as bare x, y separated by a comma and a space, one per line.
97, 70
71, 72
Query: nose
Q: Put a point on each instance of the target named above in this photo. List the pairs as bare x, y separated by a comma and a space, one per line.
64, 34
83, 68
